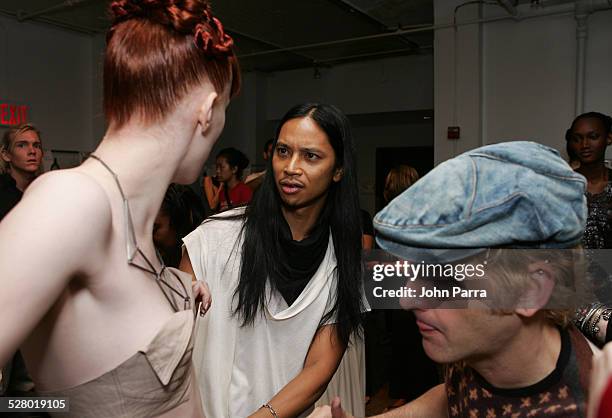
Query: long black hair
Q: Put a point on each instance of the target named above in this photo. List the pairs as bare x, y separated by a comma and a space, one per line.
235, 159
263, 221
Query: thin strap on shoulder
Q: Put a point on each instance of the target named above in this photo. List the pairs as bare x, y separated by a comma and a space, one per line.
133, 250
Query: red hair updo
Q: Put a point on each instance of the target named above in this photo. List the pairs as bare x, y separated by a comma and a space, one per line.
159, 50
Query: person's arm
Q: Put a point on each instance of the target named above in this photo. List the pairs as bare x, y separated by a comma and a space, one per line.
432, 404
322, 360
367, 242
600, 392
59, 230
212, 193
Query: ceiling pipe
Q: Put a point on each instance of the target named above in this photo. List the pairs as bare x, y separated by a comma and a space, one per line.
373, 54
581, 15
58, 23
66, 4
509, 6
272, 44
357, 9
412, 29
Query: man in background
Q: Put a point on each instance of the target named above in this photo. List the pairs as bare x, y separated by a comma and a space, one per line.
21, 152
254, 180
21, 157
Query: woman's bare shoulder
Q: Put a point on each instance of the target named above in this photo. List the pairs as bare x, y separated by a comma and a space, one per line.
63, 206
70, 190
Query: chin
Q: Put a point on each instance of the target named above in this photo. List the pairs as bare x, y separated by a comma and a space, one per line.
437, 353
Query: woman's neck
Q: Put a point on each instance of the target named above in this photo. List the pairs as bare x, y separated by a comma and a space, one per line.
594, 172
145, 162
231, 183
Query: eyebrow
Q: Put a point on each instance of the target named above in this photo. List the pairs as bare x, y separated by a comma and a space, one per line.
25, 141
303, 149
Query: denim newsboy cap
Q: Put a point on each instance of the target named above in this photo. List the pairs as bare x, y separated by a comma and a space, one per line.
513, 194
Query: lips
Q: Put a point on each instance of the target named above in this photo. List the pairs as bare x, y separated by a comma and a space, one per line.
425, 327
290, 187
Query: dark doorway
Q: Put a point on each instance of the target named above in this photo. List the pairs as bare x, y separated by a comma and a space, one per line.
421, 158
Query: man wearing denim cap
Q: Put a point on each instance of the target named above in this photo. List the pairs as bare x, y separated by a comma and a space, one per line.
524, 362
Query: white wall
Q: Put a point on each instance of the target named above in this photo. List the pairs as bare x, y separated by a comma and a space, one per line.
386, 85
399, 84
515, 79
50, 70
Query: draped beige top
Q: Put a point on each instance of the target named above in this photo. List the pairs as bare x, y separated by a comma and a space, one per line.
158, 380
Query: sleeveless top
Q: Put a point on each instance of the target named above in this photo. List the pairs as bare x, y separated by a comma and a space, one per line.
159, 377
155, 380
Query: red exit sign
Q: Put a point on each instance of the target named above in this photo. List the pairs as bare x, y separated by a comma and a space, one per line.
13, 114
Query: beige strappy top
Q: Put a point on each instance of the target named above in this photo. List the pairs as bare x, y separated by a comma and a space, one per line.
156, 380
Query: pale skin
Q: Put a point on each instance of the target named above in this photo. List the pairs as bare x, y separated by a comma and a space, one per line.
70, 300
303, 156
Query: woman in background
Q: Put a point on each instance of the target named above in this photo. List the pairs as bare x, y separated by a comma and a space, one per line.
587, 140
231, 192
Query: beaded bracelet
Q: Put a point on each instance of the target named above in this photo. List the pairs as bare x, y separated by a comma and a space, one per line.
594, 329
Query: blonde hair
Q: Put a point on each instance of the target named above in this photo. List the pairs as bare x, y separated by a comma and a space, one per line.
9, 137
399, 179
508, 270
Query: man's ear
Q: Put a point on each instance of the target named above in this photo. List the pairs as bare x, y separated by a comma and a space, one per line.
539, 290
5, 156
609, 141
207, 109
338, 173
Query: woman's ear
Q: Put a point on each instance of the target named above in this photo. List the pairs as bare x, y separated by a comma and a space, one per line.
338, 173
207, 109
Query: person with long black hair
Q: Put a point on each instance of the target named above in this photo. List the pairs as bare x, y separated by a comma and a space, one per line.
284, 274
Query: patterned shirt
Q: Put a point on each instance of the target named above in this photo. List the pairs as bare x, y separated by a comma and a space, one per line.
559, 395
598, 230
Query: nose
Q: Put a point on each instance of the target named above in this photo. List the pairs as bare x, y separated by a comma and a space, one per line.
293, 166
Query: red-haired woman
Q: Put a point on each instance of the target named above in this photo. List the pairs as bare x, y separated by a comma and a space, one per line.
98, 317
